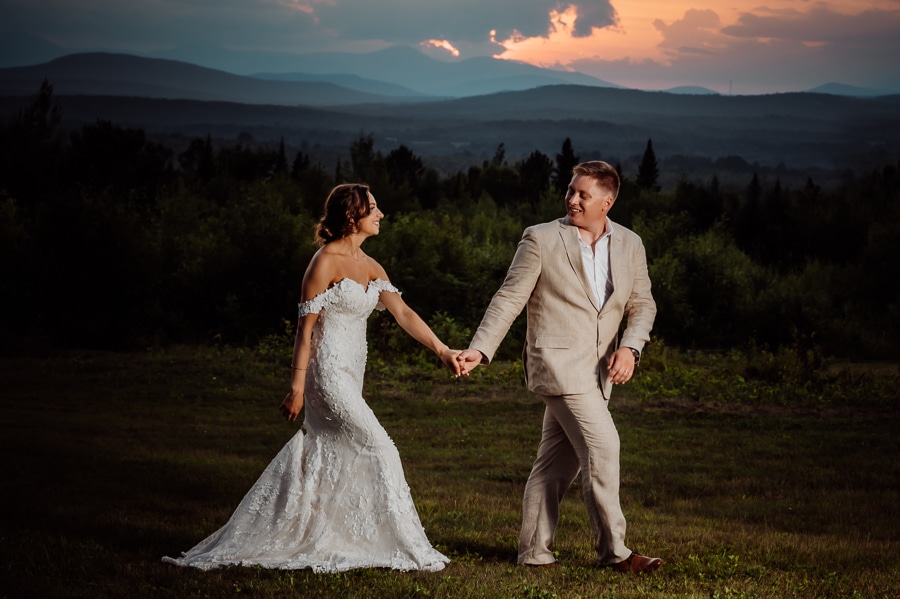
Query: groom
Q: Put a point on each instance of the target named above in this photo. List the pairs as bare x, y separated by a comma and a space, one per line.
577, 277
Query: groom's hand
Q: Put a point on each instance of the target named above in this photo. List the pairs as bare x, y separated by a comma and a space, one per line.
621, 366
468, 360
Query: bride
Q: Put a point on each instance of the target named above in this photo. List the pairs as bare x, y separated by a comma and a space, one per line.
335, 497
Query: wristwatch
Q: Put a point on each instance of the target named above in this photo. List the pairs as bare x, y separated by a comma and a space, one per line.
637, 356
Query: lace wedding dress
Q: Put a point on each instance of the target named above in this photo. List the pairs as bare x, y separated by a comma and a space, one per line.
334, 498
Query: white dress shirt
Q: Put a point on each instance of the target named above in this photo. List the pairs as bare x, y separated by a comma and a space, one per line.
596, 265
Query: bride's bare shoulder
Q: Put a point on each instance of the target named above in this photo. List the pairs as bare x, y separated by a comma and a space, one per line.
323, 271
375, 270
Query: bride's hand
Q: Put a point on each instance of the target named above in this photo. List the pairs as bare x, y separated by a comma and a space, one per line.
448, 357
291, 406
468, 360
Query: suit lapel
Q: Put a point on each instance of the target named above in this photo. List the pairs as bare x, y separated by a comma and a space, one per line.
615, 259
569, 235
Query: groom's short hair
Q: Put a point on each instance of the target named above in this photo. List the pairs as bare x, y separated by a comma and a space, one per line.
602, 172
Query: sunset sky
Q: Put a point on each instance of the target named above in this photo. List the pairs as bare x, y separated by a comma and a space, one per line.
742, 46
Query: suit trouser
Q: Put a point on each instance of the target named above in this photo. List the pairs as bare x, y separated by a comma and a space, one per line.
578, 434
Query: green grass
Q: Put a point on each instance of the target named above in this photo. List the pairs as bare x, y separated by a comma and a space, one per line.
113, 460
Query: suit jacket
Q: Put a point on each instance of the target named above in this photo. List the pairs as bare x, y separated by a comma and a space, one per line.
569, 339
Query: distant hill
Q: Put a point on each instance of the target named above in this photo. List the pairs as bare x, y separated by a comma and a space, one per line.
127, 75
564, 102
694, 90
238, 62
355, 82
841, 89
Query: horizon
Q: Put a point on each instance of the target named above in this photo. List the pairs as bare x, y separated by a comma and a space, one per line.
651, 45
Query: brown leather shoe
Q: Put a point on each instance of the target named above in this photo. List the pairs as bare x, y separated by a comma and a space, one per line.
638, 563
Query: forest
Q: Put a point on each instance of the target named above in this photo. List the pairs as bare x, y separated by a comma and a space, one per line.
111, 240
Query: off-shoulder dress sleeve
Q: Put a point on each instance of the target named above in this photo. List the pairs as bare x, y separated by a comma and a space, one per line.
316, 304
381, 285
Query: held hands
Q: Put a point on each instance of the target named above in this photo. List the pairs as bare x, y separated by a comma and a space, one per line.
449, 358
291, 406
621, 366
468, 360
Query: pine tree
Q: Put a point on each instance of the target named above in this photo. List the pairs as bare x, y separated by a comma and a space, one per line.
300, 164
565, 162
499, 158
281, 164
648, 171
30, 146
535, 173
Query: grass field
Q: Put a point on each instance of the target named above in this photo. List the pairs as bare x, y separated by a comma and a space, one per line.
111, 461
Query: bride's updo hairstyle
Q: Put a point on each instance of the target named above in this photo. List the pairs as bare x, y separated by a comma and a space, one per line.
346, 204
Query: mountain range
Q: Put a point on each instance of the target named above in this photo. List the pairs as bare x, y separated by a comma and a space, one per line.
394, 72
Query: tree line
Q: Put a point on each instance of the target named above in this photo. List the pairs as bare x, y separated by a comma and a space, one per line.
109, 239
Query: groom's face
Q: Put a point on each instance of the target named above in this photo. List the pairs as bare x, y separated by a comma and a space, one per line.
587, 203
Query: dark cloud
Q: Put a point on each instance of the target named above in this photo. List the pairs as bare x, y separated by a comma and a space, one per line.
149, 25
593, 15
817, 25
455, 20
290, 25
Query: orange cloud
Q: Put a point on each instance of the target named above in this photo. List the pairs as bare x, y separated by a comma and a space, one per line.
661, 30
443, 44
563, 44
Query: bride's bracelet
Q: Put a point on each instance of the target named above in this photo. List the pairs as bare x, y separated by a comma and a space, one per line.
295, 368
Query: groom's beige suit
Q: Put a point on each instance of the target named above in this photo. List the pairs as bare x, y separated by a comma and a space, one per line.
568, 343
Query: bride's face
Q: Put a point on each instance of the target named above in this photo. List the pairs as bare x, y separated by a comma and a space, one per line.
371, 223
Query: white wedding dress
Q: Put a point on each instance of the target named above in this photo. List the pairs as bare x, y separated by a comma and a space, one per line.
334, 498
